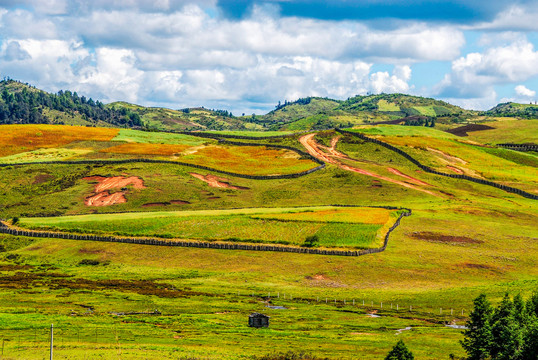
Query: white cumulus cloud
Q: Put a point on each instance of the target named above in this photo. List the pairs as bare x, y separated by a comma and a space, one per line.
473, 77
522, 90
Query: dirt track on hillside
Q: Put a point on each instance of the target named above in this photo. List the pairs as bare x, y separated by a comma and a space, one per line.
332, 155
217, 182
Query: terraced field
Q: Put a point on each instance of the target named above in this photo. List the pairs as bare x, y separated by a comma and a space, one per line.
463, 238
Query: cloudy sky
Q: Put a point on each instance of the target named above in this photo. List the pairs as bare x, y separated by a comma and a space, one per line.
245, 56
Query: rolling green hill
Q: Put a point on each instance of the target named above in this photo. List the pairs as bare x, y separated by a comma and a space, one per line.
511, 109
21, 104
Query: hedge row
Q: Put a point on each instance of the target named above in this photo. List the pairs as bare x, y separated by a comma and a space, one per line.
430, 170
4, 228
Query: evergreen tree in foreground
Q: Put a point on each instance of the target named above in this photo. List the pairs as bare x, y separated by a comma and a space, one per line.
400, 352
508, 332
478, 337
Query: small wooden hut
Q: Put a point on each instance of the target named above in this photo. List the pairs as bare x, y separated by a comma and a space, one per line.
258, 320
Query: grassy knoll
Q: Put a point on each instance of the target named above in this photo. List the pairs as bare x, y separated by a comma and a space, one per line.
462, 240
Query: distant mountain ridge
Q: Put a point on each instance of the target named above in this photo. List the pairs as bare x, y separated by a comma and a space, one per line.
22, 103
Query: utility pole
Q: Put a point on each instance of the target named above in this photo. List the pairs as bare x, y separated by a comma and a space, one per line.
51, 339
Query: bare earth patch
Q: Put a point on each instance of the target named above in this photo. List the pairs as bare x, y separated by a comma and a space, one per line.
102, 195
217, 182
455, 169
41, 178
441, 238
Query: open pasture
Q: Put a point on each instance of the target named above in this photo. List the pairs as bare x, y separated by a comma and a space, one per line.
21, 138
334, 227
506, 130
28, 143
464, 240
450, 154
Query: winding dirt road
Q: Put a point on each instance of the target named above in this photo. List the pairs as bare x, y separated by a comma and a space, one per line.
330, 155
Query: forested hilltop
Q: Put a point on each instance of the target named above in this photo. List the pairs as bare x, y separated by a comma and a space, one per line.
24, 104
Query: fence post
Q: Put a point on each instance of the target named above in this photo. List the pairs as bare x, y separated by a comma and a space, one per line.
51, 340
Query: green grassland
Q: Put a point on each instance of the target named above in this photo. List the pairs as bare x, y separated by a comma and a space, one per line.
240, 225
461, 240
187, 119
506, 130
175, 147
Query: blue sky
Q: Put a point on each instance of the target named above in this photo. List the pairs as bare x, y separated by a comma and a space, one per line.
245, 55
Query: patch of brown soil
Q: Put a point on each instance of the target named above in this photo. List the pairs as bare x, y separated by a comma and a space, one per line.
156, 204
90, 251
463, 130
478, 266
13, 267
102, 195
317, 277
441, 238
313, 149
217, 182
24, 280
455, 169
179, 202
41, 178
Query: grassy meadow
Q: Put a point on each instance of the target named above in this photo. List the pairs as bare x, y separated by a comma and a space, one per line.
335, 227
38, 143
462, 239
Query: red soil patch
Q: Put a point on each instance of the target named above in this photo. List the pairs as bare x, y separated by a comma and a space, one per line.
410, 178
102, 195
455, 169
105, 199
441, 238
317, 277
217, 182
314, 149
115, 182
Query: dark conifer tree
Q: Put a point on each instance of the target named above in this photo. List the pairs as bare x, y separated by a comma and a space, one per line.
477, 337
400, 352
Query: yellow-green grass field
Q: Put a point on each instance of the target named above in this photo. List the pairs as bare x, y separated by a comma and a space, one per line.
351, 227
464, 240
37, 143
506, 130
451, 154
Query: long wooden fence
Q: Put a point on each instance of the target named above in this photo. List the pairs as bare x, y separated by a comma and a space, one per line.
7, 229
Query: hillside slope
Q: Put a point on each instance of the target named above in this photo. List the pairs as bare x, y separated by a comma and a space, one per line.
511, 109
21, 103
